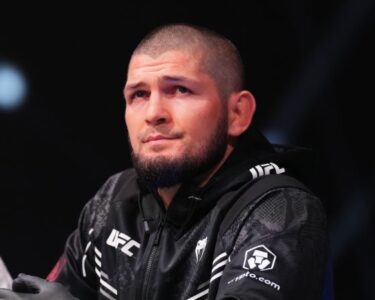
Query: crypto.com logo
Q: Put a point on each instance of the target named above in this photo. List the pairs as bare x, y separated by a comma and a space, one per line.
259, 257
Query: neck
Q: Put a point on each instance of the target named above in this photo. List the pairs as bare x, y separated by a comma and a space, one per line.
167, 194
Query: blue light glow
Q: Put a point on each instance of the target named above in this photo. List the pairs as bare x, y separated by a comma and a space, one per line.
12, 87
276, 136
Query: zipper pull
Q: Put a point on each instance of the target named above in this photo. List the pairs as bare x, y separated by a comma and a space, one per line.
158, 233
146, 226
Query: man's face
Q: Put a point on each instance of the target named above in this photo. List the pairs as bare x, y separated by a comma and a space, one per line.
175, 118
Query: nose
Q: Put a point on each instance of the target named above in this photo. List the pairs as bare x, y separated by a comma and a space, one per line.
157, 111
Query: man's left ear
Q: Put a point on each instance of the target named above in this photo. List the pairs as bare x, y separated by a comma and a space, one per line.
241, 109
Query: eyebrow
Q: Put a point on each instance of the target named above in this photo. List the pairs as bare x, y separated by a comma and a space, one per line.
181, 79
166, 78
133, 86
177, 79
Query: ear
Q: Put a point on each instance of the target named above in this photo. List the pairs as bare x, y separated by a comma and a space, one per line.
241, 109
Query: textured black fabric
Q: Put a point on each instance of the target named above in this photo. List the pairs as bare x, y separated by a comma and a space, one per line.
180, 254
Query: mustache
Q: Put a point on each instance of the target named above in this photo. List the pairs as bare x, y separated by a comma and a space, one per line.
165, 133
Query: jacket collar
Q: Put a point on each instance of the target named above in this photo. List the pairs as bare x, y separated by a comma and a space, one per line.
191, 200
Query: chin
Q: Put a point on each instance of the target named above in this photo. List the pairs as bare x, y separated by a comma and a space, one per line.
160, 157
164, 154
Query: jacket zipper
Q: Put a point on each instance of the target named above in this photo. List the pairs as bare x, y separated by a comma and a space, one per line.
150, 261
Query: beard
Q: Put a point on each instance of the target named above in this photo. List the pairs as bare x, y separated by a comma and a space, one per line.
164, 171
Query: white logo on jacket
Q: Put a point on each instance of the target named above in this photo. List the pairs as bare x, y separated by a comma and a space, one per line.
199, 249
259, 257
266, 169
118, 239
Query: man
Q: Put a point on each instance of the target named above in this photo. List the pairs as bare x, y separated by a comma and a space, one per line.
189, 221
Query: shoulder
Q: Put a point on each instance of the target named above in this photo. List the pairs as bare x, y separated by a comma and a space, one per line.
280, 211
286, 207
118, 187
114, 183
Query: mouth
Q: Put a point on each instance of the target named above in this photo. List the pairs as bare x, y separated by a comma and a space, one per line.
153, 138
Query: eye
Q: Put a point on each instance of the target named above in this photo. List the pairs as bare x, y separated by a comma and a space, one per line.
139, 94
182, 90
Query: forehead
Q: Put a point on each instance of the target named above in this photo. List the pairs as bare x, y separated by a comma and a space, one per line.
175, 62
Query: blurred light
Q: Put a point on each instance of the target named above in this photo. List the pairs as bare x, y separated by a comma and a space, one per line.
276, 136
12, 87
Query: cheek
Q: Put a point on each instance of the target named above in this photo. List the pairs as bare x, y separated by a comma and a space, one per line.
131, 119
202, 124
131, 128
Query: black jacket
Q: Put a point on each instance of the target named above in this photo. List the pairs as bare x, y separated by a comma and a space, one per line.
127, 246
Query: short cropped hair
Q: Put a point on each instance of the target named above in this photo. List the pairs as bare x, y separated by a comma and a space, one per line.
221, 59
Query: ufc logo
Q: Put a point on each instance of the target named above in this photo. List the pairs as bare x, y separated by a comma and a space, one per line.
266, 169
118, 239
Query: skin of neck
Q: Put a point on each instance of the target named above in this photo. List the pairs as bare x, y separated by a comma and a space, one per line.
167, 194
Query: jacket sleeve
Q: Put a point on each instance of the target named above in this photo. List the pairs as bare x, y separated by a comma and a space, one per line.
279, 250
76, 269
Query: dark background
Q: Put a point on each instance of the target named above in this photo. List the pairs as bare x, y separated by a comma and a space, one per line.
309, 64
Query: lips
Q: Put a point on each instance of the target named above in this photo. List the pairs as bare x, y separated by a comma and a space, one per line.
152, 138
